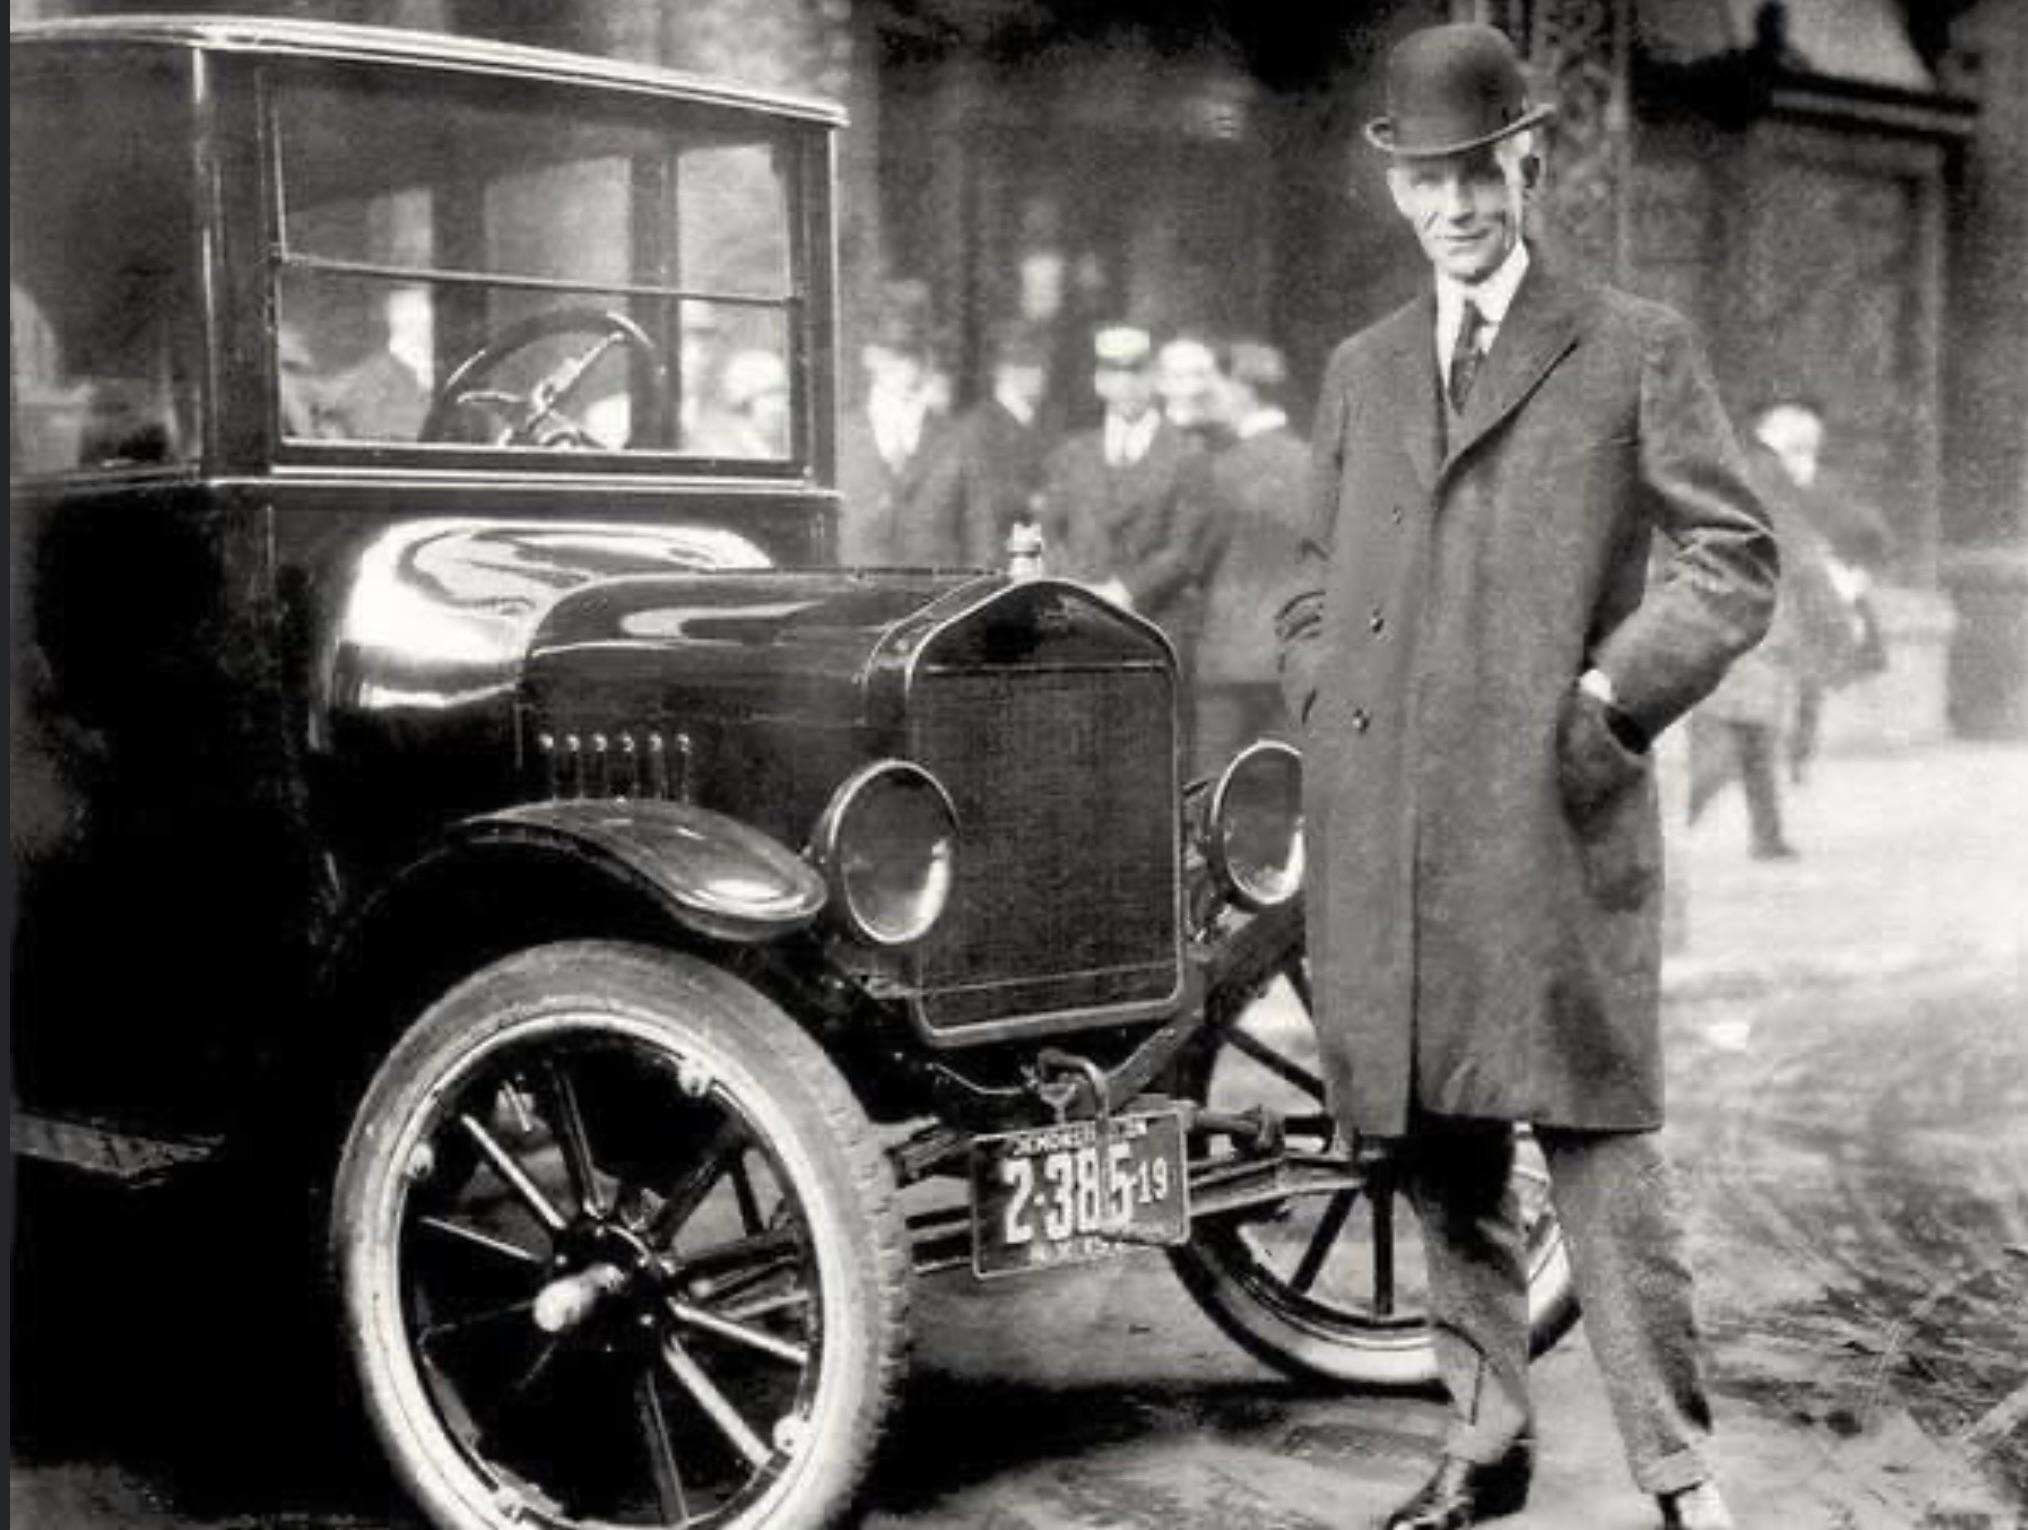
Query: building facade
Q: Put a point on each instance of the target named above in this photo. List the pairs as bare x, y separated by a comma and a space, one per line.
1837, 190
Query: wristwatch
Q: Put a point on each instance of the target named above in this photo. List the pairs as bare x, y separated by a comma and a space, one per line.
1631, 736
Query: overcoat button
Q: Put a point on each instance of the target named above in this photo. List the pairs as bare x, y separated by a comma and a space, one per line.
1376, 623
1360, 720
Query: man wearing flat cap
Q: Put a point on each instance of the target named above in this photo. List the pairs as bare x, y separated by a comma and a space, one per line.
1481, 659
1125, 507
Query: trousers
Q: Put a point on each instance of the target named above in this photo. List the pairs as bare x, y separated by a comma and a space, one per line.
1620, 1220
1750, 751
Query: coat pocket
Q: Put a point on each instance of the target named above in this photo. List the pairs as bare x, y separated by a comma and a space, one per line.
1620, 850
1608, 795
1593, 768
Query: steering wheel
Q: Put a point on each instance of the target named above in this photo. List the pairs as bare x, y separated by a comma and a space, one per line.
538, 417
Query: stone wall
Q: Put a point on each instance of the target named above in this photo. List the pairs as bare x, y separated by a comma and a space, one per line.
1986, 375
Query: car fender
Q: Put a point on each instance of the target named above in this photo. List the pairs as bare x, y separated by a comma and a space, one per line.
710, 873
573, 869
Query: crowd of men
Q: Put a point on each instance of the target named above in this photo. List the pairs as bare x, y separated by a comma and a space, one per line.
1183, 504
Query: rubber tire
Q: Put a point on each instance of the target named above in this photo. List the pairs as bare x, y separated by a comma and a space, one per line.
1382, 1362
790, 1091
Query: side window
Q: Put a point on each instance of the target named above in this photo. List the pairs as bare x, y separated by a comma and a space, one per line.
103, 318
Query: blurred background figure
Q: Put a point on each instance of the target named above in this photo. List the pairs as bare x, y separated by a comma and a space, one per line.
298, 390
752, 420
939, 392
1126, 507
386, 396
1190, 382
1002, 446
1738, 731
897, 466
1257, 495
1856, 544
700, 353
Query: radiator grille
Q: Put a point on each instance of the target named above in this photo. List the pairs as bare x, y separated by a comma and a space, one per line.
1064, 781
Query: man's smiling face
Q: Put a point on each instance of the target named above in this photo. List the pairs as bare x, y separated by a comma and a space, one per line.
1466, 209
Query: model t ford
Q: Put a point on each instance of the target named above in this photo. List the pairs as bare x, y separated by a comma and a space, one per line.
452, 780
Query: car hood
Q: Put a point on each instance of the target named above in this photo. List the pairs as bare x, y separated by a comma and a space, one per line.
805, 644
458, 615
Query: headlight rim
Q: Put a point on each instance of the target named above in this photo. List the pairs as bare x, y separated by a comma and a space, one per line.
1212, 841
827, 851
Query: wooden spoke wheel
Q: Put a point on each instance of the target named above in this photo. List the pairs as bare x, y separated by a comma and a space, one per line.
615, 1245
1327, 1283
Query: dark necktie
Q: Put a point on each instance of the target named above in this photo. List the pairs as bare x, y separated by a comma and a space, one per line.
1465, 356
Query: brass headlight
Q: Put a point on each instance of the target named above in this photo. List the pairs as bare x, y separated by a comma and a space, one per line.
887, 844
1253, 835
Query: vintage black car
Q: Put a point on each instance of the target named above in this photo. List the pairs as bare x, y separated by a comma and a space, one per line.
452, 779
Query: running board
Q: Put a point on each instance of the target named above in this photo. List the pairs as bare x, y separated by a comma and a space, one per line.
132, 1160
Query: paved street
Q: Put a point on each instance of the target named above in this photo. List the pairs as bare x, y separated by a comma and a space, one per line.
1849, 1065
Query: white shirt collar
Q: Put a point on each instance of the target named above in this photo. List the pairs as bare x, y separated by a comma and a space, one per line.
897, 421
1127, 441
1492, 297
1260, 422
1017, 405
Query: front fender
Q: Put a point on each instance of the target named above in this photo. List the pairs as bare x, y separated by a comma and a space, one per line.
710, 873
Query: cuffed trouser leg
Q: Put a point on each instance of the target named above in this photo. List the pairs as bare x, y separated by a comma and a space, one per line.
1458, 1181
1621, 1220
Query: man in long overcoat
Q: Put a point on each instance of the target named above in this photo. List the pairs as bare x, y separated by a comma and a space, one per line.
1126, 507
1481, 660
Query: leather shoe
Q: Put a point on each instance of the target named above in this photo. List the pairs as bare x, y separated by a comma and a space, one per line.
1697, 1508
1464, 1493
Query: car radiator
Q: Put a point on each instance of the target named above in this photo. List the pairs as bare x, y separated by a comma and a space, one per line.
1066, 906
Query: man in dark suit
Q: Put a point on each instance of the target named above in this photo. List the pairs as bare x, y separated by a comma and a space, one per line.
1481, 664
899, 475
1190, 383
1257, 493
1001, 447
1126, 507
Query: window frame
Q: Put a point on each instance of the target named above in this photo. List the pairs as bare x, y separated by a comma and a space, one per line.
803, 155
51, 72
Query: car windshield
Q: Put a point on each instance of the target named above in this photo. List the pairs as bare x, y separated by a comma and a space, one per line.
530, 268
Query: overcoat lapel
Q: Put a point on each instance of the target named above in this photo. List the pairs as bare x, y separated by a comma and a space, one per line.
1419, 400
1540, 329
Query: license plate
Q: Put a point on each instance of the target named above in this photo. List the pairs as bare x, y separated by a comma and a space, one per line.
1068, 1194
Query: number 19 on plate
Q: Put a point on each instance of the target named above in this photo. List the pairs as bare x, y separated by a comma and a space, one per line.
1075, 1192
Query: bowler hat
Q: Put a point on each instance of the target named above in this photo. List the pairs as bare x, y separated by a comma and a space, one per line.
1453, 88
